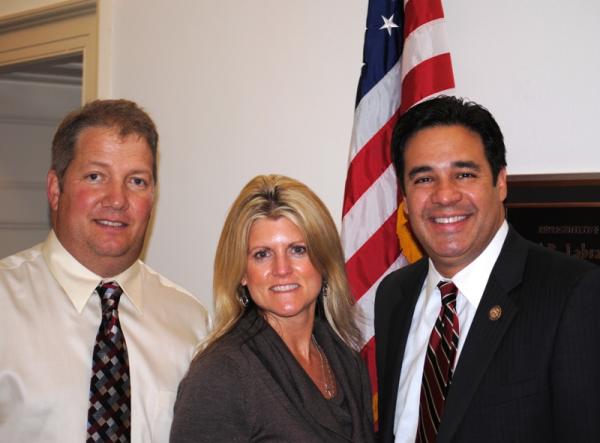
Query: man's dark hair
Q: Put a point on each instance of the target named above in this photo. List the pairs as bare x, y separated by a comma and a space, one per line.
124, 116
448, 111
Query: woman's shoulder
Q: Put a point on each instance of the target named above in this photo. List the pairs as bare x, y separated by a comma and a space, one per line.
219, 363
217, 395
229, 351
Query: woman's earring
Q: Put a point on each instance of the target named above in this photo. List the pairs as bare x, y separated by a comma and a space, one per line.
243, 297
324, 288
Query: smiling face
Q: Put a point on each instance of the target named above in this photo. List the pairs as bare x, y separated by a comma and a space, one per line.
101, 211
452, 203
281, 279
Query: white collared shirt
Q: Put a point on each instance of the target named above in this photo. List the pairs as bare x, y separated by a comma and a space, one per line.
49, 319
471, 282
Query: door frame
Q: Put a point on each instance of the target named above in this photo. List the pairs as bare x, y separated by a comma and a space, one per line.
66, 27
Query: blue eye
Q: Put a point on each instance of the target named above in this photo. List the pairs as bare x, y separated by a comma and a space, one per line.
299, 250
260, 254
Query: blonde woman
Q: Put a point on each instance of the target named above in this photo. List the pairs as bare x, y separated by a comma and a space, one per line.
280, 364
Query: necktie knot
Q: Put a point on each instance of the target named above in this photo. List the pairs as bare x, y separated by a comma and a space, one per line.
110, 294
448, 291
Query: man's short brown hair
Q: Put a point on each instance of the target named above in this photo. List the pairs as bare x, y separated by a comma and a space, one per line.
123, 115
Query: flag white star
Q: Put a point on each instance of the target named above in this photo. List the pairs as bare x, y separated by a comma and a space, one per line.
388, 24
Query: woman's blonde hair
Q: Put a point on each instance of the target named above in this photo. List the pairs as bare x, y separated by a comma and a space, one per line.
274, 196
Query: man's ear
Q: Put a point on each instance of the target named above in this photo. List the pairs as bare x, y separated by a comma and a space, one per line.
501, 184
404, 206
53, 189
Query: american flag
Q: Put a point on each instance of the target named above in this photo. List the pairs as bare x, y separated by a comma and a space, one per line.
406, 60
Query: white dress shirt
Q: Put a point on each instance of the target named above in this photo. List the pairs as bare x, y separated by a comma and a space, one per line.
471, 282
48, 325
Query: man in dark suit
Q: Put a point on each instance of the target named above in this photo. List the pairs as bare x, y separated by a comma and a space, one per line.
526, 364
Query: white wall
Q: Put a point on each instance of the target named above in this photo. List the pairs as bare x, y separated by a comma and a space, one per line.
536, 65
240, 88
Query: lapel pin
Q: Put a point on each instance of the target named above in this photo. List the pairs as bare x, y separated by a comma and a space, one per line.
495, 312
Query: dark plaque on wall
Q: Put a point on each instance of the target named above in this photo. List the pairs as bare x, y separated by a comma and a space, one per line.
559, 211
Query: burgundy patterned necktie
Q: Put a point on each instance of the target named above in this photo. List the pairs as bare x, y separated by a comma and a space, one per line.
109, 414
439, 363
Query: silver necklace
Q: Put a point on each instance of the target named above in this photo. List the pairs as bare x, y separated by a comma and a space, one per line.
328, 383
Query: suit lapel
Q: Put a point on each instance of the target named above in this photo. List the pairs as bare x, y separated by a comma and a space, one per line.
399, 327
485, 334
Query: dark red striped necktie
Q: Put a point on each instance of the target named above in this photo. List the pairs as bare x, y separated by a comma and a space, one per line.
109, 414
439, 364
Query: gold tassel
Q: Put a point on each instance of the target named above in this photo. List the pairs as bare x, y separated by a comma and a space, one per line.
409, 246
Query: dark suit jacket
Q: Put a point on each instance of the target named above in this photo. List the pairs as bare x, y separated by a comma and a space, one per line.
533, 375
248, 387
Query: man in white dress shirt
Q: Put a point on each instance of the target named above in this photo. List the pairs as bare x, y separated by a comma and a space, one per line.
101, 189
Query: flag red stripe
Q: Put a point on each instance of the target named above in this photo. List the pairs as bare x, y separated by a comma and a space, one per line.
366, 166
368, 355
419, 12
373, 258
431, 76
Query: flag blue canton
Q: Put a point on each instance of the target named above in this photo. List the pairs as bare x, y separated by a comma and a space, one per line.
381, 50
